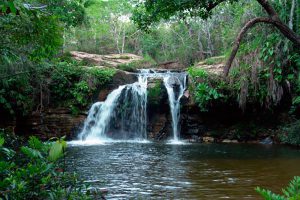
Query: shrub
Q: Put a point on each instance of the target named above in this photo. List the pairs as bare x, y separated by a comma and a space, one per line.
34, 171
204, 94
197, 73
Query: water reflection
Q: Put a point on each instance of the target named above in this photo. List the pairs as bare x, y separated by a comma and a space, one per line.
160, 171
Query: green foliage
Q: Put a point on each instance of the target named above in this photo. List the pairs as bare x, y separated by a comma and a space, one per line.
16, 95
149, 12
35, 172
154, 93
74, 85
290, 134
204, 94
206, 88
67, 83
291, 192
71, 13
197, 73
8, 5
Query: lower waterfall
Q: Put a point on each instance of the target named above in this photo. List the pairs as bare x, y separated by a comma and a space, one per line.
123, 115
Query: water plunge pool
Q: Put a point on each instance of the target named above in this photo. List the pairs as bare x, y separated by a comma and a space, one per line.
131, 170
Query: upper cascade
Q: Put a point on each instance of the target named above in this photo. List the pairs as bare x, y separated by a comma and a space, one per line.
123, 115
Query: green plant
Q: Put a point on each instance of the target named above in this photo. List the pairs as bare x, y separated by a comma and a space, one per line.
35, 171
154, 93
74, 85
291, 192
197, 73
16, 95
204, 94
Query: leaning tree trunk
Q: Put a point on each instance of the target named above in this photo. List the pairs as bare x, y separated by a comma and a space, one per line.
272, 19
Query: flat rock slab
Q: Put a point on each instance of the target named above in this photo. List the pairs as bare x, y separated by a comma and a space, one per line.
111, 60
215, 67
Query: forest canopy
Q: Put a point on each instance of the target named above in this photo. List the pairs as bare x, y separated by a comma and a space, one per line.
153, 11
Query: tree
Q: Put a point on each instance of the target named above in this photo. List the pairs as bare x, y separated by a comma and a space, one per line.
152, 11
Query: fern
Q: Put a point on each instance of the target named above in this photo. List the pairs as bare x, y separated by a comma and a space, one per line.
291, 192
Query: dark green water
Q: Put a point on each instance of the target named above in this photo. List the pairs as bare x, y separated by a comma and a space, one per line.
193, 171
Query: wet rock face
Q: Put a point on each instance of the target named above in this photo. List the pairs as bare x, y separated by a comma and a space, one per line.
192, 125
51, 123
157, 128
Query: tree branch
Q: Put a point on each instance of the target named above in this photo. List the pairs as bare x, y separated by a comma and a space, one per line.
283, 28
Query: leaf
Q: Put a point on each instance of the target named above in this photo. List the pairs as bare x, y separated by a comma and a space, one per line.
56, 151
31, 153
12, 7
35, 143
1, 141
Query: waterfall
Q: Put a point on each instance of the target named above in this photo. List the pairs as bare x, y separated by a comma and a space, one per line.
123, 115
96, 124
175, 85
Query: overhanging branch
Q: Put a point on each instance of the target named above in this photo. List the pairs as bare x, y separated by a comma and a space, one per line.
283, 28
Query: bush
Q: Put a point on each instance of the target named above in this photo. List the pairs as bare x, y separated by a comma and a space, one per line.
204, 94
205, 87
63, 82
34, 171
291, 192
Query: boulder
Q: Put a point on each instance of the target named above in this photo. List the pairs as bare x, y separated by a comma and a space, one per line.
171, 65
122, 78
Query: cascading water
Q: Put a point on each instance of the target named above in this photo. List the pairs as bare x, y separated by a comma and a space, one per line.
96, 124
173, 83
123, 115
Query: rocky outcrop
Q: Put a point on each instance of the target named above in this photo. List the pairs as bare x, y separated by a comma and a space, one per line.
119, 78
111, 60
213, 65
171, 65
122, 78
51, 123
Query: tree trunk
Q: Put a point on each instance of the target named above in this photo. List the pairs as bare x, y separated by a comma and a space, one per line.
272, 19
123, 39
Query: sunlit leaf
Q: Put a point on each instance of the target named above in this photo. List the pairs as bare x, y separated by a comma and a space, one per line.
56, 151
